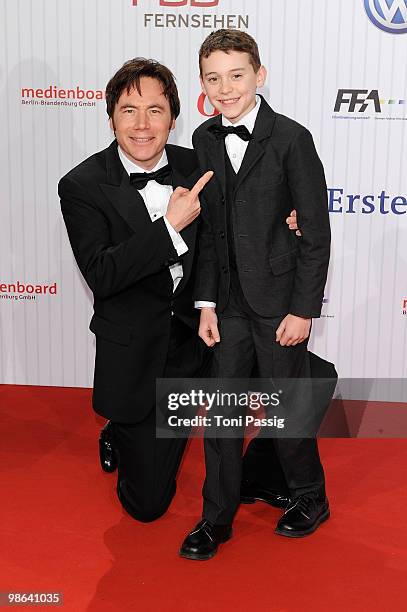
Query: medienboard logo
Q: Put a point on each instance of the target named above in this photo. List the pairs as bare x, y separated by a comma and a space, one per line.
18, 291
184, 17
55, 96
367, 104
388, 15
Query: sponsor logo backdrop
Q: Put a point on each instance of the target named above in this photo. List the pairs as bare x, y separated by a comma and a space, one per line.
337, 67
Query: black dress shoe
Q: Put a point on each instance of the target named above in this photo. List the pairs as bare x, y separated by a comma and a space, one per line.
303, 516
107, 453
250, 493
203, 541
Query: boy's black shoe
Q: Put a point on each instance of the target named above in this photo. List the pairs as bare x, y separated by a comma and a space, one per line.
203, 541
303, 516
250, 493
107, 453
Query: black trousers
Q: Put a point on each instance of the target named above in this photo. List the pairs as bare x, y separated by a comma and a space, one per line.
278, 464
147, 469
147, 465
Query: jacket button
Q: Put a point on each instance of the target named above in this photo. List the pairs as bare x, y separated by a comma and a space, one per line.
223, 200
224, 269
222, 234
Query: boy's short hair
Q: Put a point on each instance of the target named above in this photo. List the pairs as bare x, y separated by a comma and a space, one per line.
128, 77
230, 40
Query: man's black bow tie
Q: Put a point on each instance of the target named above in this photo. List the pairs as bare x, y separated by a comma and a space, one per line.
221, 131
140, 179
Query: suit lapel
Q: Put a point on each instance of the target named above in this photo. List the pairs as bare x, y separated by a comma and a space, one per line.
215, 149
188, 234
262, 131
254, 153
121, 194
179, 180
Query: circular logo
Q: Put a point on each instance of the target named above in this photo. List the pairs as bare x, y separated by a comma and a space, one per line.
388, 15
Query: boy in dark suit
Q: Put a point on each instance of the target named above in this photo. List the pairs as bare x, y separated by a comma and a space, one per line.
258, 286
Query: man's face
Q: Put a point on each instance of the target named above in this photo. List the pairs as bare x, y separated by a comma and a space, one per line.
142, 123
230, 82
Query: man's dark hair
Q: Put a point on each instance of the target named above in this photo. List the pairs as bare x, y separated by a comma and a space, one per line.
230, 40
128, 77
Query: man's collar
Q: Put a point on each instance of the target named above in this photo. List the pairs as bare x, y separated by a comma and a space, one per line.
248, 120
130, 166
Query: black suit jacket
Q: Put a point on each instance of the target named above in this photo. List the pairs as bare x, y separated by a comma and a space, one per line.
125, 260
278, 272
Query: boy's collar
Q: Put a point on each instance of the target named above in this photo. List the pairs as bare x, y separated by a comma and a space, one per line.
264, 123
249, 119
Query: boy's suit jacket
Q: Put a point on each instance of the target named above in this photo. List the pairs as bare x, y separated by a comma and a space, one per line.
278, 272
125, 259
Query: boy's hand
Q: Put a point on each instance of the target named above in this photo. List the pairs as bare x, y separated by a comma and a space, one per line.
292, 222
292, 330
184, 206
208, 327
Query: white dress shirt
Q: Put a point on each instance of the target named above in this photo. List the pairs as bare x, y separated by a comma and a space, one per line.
235, 146
156, 198
236, 149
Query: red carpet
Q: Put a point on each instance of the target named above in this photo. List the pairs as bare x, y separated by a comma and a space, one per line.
63, 530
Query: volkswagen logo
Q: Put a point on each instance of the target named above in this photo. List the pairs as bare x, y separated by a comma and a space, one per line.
388, 15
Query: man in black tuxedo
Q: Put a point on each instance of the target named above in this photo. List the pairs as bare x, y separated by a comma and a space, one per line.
258, 285
131, 215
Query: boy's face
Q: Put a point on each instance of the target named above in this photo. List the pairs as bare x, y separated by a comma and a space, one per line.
142, 123
230, 82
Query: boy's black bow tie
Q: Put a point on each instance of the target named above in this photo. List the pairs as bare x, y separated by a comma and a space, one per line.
140, 179
221, 131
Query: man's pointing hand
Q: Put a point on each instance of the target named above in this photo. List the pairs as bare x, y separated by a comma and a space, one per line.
184, 206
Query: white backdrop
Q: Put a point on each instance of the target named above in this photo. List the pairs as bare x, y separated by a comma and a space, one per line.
58, 54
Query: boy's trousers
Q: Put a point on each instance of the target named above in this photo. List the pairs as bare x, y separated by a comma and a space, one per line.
248, 341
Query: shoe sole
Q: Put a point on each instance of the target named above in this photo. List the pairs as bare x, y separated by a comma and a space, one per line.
301, 534
253, 500
198, 557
